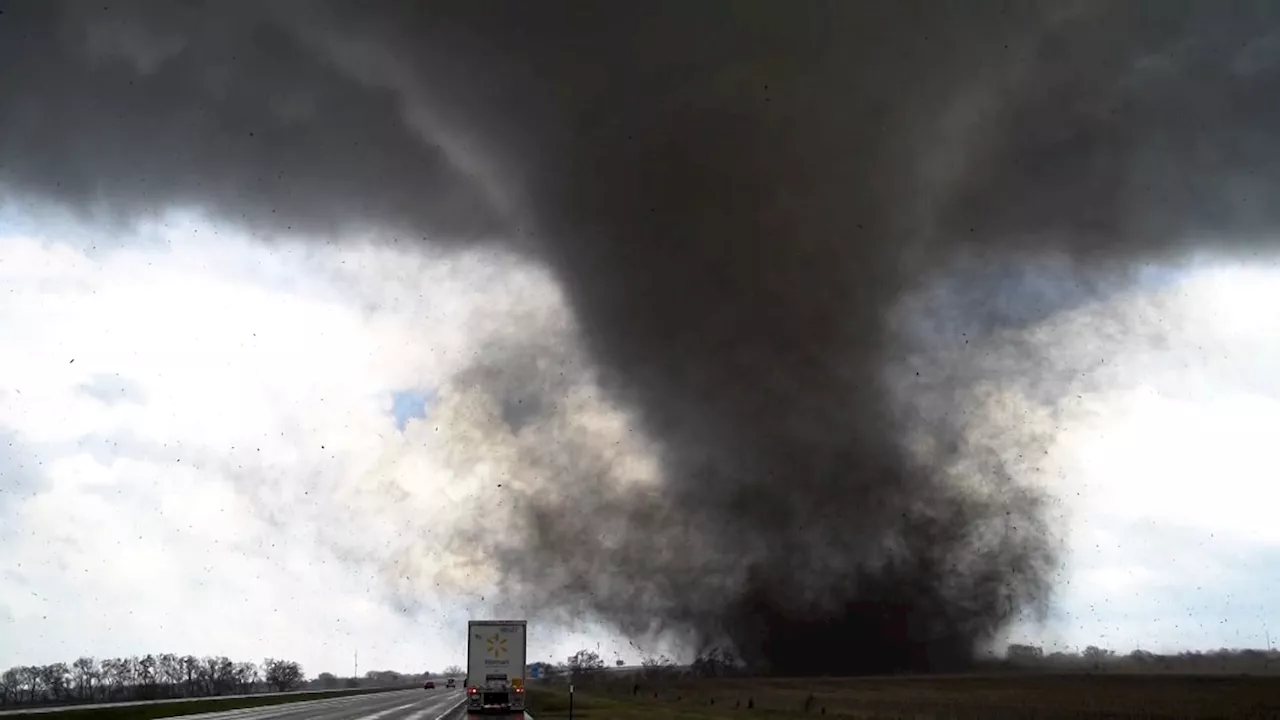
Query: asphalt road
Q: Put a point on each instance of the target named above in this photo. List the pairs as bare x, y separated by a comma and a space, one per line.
320, 694
398, 705
461, 714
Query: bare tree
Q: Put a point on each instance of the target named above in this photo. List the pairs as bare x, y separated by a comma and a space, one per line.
124, 676
30, 675
10, 685
209, 675
191, 674
385, 677
246, 677
226, 676
281, 674
131, 671
84, 676
56, 679
169, 673
453, 670
146, 687
657, 668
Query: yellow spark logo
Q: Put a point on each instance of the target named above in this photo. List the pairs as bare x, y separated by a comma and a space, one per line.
497, 645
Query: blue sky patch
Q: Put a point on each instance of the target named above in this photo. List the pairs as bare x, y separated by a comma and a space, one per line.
409, 404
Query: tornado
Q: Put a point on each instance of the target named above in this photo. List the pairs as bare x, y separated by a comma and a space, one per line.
740, 202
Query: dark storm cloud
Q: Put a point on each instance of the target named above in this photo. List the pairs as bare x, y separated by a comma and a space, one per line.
128, 107
736, 198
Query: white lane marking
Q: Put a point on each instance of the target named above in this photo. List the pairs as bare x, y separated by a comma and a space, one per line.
262, 712
397, 695
336, 707
426, 714
384, 713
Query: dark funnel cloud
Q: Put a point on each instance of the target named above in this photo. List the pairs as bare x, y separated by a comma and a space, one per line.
736, 198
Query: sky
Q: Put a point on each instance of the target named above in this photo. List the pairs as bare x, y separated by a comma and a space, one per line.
211, 445
219, 444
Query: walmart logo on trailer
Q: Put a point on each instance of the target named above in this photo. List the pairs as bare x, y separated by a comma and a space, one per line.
497, 646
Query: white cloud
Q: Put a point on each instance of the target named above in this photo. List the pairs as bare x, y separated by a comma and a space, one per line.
1162, 460
1204, 464
236, 498
204, 458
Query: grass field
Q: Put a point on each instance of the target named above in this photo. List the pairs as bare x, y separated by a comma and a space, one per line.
1111, 696
150, 711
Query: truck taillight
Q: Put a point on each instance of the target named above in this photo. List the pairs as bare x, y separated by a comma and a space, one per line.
472, 690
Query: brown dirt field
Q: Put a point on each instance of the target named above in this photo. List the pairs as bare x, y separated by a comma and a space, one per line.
1050, 697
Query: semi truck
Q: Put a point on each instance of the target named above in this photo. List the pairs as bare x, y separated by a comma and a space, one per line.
495, 666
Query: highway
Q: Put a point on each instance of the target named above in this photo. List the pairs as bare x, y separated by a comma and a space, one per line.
93, 706
417, 704
398, 705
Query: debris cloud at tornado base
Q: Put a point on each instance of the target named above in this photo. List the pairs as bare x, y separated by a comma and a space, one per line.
738, 201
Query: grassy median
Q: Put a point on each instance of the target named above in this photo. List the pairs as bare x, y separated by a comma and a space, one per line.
187, 707
1050, 697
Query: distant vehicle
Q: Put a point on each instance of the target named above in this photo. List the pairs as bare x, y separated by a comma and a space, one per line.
495, 666
429, 685
451, 683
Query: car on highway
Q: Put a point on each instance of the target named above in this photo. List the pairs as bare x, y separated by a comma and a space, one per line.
429, 685
451, 683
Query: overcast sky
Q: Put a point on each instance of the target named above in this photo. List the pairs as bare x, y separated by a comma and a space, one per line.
211, 444
1164, 463
215, 446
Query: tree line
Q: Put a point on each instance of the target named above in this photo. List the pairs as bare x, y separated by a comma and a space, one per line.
150, 677
586, 665
168, 677
380, 678
1095, 658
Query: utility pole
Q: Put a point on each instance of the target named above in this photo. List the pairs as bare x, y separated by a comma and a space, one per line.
1266, 662
355, 669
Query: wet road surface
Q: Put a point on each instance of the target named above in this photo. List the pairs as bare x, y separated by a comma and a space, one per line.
398, 705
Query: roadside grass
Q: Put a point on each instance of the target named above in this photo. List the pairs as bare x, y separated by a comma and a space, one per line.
1048, 697
183, 707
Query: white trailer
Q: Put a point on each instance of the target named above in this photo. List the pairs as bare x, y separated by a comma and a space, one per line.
495, 666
